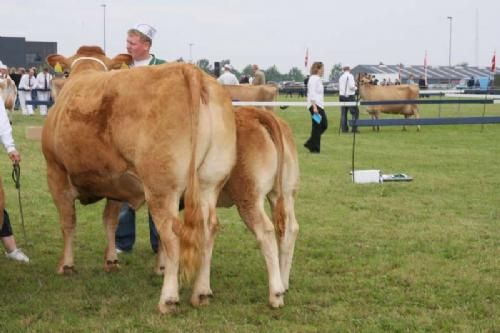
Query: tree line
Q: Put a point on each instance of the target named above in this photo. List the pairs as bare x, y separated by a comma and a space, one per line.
272, 73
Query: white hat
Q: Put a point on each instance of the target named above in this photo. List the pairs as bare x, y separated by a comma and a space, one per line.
146, 29
228, 67
2, 65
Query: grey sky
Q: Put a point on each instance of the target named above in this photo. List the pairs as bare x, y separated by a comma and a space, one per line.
270, 32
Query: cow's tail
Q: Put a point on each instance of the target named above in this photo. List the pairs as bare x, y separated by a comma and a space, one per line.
271, 124
191, 232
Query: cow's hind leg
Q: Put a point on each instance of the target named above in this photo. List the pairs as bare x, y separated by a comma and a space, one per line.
202, 291
257, 221
110, 219
287, 236
64, 199
164, 210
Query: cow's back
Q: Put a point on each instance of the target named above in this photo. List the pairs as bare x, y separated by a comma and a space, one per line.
118, 121
394, 92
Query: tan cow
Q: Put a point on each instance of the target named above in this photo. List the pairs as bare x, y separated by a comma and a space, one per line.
369, 92
148, 134
266, 167
8, 91
56, 85
250, 93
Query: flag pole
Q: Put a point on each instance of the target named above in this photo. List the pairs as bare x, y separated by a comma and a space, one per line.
425, 68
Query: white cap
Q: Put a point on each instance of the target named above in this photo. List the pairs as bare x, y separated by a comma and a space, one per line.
2, 65
228, 67
146, 29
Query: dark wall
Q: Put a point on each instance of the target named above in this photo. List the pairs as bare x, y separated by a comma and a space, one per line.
12, 51
17, 52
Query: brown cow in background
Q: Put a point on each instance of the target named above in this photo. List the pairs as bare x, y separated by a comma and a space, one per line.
369, 92
250, 93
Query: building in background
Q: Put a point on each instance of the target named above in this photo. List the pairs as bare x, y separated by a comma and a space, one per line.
436, 75
18, 52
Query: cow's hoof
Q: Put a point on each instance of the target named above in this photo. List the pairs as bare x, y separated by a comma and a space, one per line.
201, 300
277, 300
112, 266
66, 270
171, 307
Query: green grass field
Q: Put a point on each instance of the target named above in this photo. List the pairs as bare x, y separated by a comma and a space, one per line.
421, 256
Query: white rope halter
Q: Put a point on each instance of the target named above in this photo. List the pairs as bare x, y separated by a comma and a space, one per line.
89, 58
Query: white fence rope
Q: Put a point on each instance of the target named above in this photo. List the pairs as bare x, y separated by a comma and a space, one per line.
446, 93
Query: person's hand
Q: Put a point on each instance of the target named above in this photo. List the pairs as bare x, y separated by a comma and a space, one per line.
15, 156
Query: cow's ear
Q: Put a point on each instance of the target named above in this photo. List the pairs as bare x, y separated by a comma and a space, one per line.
121, 61
58, 62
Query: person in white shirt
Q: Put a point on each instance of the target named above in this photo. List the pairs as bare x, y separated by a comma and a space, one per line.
347, 93
43, 82
315, 104
27, 83
6, 235
228, 78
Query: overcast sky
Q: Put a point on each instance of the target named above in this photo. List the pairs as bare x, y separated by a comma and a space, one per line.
270, 32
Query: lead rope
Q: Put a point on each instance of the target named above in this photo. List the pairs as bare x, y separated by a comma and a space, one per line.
16, 177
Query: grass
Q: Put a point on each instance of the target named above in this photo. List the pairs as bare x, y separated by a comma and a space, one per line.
422, 256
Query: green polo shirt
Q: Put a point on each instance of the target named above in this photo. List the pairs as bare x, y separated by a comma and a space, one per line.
156, 61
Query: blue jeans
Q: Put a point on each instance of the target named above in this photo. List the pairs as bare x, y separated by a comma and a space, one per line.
125, 233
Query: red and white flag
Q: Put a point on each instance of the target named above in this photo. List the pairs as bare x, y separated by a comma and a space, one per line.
494, 62
306, 59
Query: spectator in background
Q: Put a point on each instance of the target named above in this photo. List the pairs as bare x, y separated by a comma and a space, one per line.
421, 83
470, 82
306, 81
374, 80
15, 75
26, 85
228, 78
315, 102
244, 79
347, 93
258, 76
43, 83
410, 80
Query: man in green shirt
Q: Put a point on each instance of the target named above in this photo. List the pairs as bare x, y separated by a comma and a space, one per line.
139, 42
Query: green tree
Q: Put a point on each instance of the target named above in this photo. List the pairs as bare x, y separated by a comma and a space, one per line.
295, 74
336, 72
247, 71
204, 64
273, 74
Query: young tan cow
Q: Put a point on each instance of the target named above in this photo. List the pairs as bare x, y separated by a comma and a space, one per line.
266, 167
